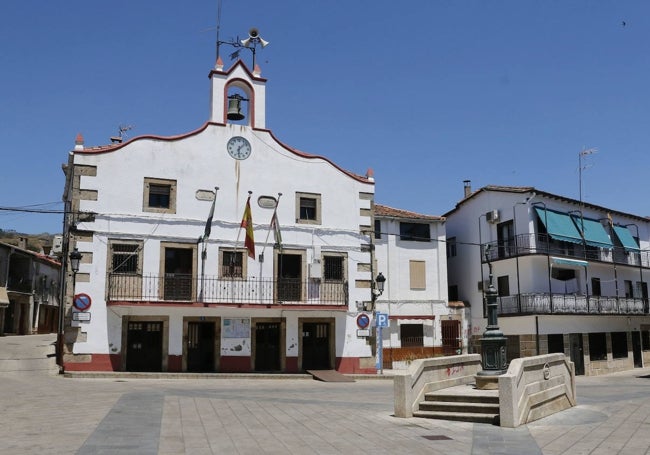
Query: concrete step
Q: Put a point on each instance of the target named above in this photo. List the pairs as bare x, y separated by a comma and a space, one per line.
460, 406
463, 403
28, 354
459, 416
475, 397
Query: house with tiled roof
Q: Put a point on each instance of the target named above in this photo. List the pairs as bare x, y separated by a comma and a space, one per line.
29, 290
411, 253
571, 276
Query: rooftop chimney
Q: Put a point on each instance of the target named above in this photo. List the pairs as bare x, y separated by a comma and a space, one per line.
467, 186
79, 142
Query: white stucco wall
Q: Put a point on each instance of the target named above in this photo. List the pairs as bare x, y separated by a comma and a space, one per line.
199, 161
468, 218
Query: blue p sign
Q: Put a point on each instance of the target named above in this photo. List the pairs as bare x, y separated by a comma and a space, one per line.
382, 319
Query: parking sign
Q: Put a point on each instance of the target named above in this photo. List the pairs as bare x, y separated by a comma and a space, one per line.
382, 319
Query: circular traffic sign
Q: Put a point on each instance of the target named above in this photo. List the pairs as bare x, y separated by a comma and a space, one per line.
82, 302
363, 321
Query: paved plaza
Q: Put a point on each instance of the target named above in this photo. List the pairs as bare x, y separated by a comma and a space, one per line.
50, 414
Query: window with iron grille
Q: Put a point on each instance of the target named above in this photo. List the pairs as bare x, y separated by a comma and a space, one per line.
232, 264
333, 268
377, 229
125, 258
411, 335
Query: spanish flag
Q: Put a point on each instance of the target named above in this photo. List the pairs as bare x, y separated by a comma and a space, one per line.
247, 224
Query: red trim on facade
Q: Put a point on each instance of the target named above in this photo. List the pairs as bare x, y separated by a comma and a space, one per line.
232, 68
310, 156
351, 365
291, 365
235, 364
114, 147
98, 362
174, 363
421, 317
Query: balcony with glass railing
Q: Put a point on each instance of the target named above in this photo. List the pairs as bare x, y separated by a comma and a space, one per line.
187, 288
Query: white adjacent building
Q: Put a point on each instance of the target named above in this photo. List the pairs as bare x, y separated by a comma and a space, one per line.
571, 276
159, 290
411, 254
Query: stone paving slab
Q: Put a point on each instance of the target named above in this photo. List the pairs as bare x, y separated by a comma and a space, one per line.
57, 415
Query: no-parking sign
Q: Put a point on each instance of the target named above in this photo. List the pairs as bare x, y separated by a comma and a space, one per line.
363, 321
82, 302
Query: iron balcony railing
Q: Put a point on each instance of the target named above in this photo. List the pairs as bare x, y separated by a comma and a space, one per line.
543, 303
210, 289
525, 244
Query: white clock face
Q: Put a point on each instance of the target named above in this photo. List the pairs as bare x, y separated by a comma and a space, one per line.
239, 148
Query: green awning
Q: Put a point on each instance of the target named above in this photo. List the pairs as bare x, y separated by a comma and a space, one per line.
625, 236
565, 261
559, 225
593, 231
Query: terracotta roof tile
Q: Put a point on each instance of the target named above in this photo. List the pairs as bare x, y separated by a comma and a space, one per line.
389, 212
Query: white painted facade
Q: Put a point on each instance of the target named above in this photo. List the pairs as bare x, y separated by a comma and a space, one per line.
415, 291
528, 271
112, 185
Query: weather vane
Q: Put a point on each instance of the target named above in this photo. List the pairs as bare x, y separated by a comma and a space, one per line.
249, 43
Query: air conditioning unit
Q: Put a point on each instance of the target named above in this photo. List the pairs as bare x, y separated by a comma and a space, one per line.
492, 216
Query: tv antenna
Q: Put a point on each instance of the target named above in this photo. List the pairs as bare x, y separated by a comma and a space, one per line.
582, 167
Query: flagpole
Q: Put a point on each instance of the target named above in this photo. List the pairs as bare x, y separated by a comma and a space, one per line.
273, 217
204, 238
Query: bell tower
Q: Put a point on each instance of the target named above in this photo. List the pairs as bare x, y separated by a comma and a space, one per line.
238, 95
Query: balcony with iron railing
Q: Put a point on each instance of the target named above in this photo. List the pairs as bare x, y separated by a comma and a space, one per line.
186, 288
527, 244
543, 303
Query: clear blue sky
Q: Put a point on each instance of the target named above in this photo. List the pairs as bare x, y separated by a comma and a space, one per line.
427, 93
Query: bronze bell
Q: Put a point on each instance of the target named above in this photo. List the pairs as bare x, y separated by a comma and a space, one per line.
234, 108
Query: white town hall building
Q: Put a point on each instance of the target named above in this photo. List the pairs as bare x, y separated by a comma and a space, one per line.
170, 292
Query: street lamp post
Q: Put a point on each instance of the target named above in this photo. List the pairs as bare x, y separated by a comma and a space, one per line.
75, 258
377, 289
493, 343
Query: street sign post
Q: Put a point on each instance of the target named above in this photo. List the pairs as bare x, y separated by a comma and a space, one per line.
381, 321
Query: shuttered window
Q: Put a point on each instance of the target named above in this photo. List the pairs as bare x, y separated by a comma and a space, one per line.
417, 272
